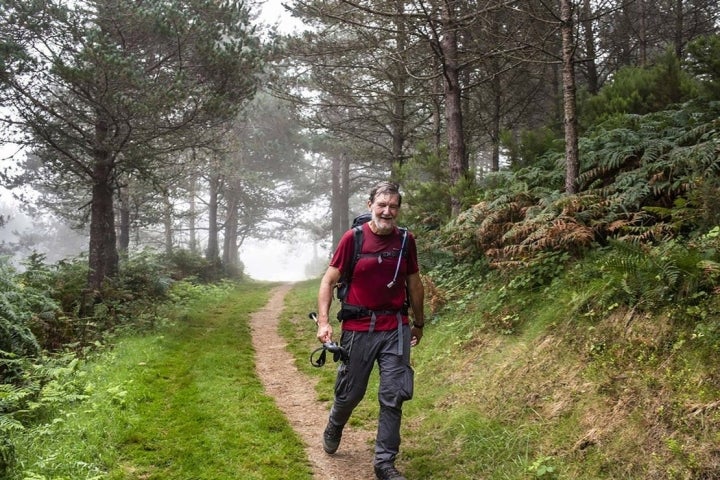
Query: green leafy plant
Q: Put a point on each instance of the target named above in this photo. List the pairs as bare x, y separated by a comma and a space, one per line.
543, 467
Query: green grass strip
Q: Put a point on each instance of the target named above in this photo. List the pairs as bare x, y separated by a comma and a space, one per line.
181, 404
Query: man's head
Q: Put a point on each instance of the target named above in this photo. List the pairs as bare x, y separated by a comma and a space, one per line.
384, 204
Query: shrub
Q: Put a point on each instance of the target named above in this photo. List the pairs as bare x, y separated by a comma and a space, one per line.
17, 306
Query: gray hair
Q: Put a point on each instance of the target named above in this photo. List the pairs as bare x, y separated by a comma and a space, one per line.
390, 188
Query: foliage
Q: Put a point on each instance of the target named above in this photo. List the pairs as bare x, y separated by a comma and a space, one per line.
184, 264
622, 341
644, 179
650, 278
526, 147
41, 316
704, 62
96, 107
44, 387
637, 90
426, 181
543, 468
18, 304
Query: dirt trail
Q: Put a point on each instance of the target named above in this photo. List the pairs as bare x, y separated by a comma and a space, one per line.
294, 394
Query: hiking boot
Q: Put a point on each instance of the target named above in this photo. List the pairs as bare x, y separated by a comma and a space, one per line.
331, 438
388, 473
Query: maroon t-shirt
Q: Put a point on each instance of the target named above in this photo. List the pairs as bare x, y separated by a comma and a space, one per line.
368, 285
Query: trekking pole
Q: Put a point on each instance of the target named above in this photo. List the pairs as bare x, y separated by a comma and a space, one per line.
339, 353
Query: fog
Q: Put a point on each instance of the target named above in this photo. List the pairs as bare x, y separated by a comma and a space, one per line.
278, 261
263, 260
267, 260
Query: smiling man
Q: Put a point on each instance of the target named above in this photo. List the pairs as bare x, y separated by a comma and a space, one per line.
384, 285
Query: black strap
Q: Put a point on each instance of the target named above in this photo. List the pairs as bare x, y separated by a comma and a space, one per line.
349, 312
339, 354
321, 359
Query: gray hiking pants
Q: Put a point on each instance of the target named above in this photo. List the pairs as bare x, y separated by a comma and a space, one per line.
396, 384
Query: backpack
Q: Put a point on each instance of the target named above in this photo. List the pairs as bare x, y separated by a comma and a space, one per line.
343, 285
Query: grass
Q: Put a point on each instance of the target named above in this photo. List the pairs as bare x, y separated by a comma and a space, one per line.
565, 389
182, 403
562, 391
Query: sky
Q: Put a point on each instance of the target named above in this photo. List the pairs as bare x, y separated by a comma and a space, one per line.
273, 13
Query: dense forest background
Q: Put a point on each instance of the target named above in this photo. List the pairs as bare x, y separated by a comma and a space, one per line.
528, 136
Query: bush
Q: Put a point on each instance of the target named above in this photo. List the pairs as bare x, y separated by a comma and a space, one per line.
638, 90
17, 306
183, 264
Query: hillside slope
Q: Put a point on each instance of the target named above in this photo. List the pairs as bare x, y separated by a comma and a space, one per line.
528, 386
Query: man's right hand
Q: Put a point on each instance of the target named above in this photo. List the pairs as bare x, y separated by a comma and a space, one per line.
324, 332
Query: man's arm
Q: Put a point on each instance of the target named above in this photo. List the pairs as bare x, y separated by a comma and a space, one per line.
325, 296
417, 303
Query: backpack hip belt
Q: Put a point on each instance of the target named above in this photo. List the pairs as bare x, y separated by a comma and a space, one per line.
350, 312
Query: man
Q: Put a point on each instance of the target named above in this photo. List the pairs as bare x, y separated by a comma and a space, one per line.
375, 324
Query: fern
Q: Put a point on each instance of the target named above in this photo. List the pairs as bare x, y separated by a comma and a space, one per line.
652, 277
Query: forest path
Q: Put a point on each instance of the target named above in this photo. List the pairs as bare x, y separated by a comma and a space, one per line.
294, 394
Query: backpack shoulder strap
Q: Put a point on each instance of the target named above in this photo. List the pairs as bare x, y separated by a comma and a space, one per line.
344, 283
357, 249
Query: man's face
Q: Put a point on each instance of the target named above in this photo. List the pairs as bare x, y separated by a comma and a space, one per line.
384, 210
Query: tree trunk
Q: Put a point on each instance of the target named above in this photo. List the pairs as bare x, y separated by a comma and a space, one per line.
213, 249
345, 192
679, 26
192, 214
437, 117
398, 127
168, 224
338, 225
593, 81
124, 237
340, 201
457, 159
569, 98
642, 33
103, 256
496, 122
231, 257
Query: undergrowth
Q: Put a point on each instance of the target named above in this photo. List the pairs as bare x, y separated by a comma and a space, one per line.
162, 405
606, 367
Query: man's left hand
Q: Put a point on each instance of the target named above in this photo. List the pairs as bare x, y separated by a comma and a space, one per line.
415, 336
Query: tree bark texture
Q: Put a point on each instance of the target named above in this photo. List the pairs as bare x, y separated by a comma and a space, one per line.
168, 224
572, 163
192, 213
124, 227
399, 97
453, 102
593, 82
213, 249
338, 225
231, 256
679, 27
103, 256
